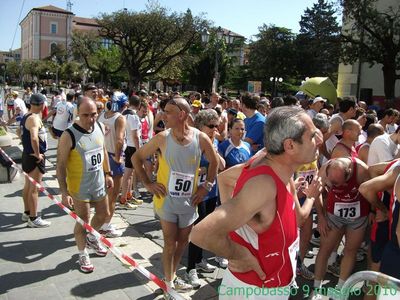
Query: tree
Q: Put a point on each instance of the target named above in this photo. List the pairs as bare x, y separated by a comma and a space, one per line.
88, 47
272, 54
372, 35
318, 43
150, 39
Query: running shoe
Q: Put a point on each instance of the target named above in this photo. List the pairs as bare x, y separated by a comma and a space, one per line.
304, 272
38, 223
110, 231
193, 278
84, 263
99, 249
205, 266
136, 201
181, 285
136, 194
223, 262
24, 217
309, 254
127, 205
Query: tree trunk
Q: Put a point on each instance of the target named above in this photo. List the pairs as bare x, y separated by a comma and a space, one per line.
134, 80
389, 80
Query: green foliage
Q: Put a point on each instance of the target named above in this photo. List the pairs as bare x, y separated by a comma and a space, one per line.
371, 34
273, 53
318, 43
149, 40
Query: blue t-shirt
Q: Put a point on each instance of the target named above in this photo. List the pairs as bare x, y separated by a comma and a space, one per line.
255, 129
234, 155
202, 178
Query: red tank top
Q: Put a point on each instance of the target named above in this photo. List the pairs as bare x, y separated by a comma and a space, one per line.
346, 201
352, 151
145, 129
276, 247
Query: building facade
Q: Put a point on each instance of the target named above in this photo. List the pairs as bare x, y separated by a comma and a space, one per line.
44, 28
361, 80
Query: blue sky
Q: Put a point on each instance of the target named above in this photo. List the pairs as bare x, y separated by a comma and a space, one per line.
241, 16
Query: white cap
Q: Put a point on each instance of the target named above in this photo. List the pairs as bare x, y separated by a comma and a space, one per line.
318, 99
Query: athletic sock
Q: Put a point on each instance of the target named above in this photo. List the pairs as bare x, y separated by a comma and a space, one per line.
83, 252
317, 284
332, 258
340, 283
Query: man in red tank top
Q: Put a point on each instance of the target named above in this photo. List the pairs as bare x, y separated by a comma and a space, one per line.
345, 147
257, 228
346, 212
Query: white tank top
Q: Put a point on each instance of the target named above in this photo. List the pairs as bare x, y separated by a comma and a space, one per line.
109, 130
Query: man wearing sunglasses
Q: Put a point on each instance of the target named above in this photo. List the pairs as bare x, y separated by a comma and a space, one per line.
176, 195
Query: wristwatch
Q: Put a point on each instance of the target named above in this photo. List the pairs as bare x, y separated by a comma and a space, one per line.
208, 185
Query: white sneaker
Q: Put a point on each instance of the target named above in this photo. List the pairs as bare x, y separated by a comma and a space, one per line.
110, 231
223, 262
38, 223
96, 246
193, 278
205, 266
181, 285
24, 217
84, 263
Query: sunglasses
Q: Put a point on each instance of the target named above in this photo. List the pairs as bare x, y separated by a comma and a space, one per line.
173, 102
212, 126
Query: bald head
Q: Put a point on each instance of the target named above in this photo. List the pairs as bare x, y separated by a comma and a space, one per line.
181, 103
350, 124
375, 130
84, 101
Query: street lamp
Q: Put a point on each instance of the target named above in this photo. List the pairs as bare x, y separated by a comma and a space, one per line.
205, 37
274, 81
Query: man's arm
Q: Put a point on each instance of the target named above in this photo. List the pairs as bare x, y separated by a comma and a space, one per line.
339, 151
62, 158
33, 124
120, 125
227, 181
212, 157
212, 232
138, 159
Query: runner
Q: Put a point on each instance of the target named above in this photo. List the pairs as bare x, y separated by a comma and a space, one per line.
248, 228
82, 162
175, 194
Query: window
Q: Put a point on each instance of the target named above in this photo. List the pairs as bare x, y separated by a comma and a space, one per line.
53, 28
106, 43
53, 47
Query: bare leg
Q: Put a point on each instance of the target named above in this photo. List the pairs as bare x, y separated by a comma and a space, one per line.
354, 239
182, 242
170, 233
33, 193
112, 197
305, 236
126, 182
82, 209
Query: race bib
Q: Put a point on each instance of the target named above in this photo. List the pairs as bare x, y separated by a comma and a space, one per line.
347, 210
293, 250
307, 175
202, 179
180, 185
94, 159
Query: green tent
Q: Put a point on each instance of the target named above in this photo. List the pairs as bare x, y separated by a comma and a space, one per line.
320, 86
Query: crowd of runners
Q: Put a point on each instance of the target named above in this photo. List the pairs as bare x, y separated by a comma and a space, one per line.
252, 179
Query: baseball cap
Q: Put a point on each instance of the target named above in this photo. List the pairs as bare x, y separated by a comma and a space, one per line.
37, 99
318, 99
196, 103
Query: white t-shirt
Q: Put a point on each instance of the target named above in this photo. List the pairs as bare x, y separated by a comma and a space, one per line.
132, 123
382, 149
333, 139
19, 103
64, 115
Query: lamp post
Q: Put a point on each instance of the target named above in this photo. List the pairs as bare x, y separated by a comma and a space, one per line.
274, 81
205, 37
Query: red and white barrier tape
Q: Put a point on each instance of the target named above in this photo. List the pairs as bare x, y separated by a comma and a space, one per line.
117, 253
